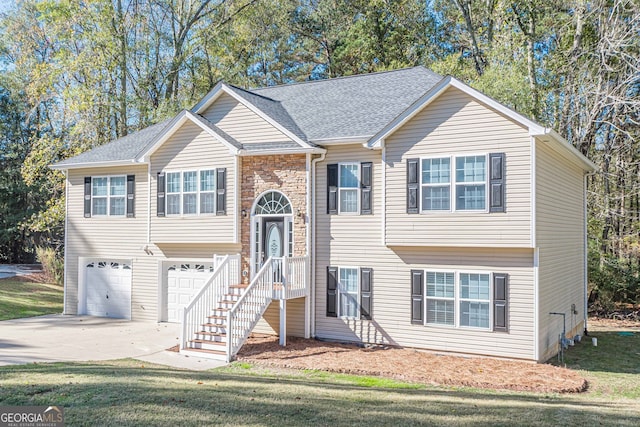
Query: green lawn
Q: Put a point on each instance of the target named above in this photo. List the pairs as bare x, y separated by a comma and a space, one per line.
27, 299
129, 392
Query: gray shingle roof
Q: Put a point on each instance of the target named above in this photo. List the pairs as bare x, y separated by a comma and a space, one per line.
122, 149
353, 106
347, 107
273, 109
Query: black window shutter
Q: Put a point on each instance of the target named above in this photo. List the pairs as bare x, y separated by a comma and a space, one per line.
500, 302
87, 197
366, 281
417, 296
161, 190
496, 182
332, 291
413, 206
365, 188
221, 191
131, 190
332, 189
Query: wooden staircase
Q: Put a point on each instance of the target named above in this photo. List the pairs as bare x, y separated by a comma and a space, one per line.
211, 340
220, 317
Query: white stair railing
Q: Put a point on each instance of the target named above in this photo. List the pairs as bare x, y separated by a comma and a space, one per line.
226, 272
279, 278
246, 312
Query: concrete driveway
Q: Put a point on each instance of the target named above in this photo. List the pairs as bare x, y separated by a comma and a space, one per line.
10, 270
60, 338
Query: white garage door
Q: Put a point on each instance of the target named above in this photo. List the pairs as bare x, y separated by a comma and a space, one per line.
183, 281
108, 289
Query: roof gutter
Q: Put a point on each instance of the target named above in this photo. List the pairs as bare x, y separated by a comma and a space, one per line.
245, 153
345, 140
58, 166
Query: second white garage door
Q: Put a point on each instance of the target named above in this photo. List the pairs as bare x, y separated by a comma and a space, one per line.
108, 289
183, 281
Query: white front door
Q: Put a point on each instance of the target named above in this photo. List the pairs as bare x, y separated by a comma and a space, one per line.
272, 237
184, 280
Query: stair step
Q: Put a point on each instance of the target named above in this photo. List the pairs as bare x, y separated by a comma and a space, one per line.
213, 328
211, 336
207, 345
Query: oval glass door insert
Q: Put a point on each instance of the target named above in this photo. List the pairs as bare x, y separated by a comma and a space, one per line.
274, 241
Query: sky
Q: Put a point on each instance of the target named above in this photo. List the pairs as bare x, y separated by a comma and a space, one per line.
6, 5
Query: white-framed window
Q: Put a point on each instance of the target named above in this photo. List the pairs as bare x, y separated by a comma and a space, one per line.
191, 192
348, 292
348, 188
436, 184
465, 185
474, 300
471, 183
458, 299
108, 195
440, 297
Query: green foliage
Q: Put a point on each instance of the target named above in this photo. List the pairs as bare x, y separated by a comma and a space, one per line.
52, 264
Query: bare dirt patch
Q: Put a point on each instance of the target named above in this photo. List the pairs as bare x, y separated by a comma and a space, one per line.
615, 322
411, 365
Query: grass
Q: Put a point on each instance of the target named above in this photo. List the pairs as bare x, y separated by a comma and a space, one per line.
129, 393
612, 368
26, 299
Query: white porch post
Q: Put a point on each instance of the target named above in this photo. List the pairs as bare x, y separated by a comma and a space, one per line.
284, 279
283, 322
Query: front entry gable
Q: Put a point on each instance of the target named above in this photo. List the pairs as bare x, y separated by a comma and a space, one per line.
249, 118
187, 119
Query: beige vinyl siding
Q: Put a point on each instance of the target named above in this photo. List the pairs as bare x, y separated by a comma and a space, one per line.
191, 148
121, 238
455, 124
560, 238
240, 122
269, 324
355, 241
110, 238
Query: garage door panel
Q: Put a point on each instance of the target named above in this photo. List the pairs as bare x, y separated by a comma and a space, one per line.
184, 280
108, 289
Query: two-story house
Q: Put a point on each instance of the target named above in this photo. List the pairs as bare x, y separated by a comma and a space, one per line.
399, 207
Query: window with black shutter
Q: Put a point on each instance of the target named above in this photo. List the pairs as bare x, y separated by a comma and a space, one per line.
366, 284
500, 302
131, 189
496, 182
332, 189
221, 191
161, 194
87, 197
417, 297
332, 291
366, 169
413, 199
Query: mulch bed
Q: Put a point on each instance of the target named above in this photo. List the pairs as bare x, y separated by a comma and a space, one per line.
411, 365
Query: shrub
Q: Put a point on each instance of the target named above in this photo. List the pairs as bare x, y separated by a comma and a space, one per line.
52, 264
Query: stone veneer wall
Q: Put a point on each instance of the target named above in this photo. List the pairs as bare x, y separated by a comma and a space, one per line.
285, 173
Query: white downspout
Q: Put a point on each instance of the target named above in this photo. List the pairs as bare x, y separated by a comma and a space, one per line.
536, 256
149, 202
586, 251
236, 201
312, 251
384, 193
66, 233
